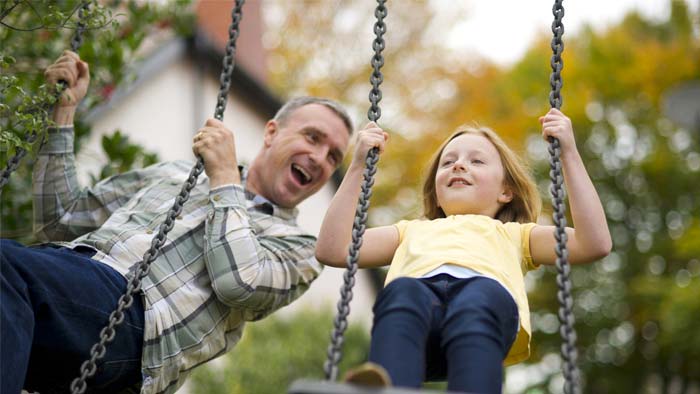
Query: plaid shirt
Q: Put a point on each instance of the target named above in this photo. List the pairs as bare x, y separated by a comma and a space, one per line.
231, 256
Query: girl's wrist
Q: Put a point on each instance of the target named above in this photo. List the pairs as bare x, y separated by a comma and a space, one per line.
356, 165
570, 154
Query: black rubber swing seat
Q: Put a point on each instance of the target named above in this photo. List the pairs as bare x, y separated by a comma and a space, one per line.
304, 386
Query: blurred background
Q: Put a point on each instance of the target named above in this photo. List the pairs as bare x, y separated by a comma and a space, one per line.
631, 87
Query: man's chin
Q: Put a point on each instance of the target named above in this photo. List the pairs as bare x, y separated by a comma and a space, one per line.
291, 195
288, 200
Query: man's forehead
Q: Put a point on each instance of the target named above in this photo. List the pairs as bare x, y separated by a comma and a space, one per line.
319, 118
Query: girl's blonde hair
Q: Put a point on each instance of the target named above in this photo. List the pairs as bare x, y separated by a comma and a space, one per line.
526, 204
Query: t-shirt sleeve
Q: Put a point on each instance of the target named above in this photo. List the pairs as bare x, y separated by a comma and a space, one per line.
527, 262
401, 227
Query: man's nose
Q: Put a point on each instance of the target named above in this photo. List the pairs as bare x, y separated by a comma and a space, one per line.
318, 156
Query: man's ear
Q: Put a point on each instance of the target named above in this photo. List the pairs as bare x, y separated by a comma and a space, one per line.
506, 195
271, 128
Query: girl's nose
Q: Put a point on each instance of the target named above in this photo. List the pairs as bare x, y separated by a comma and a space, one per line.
459, 166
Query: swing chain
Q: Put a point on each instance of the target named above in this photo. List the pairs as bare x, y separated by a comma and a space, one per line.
76, 42
340, 322
566, 315
98, 350
228, 62
376, 78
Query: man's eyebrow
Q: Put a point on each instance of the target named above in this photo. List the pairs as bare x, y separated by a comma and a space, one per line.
316, 130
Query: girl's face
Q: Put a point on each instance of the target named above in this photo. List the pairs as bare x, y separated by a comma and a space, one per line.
469, 177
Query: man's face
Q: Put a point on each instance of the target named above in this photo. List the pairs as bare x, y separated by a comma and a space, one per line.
301, 154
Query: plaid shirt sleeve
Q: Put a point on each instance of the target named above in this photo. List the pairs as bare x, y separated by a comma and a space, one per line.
256, 272
63, 210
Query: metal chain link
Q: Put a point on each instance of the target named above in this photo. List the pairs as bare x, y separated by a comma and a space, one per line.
98, 350
228, 64
358, 229
76, 42
566, 315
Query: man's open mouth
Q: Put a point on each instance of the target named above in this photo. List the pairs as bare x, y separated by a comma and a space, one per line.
301, 175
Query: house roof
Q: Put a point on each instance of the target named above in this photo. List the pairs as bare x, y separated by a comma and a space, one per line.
201, 51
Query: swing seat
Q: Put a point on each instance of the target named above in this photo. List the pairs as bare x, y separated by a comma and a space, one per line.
304, 386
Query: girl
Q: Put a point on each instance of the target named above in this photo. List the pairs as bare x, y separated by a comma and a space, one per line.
454, 304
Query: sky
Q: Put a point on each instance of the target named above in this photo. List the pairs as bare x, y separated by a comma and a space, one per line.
531, 17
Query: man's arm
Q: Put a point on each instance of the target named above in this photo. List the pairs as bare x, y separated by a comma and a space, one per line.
258, 272
55, 185
63, 209
249, 270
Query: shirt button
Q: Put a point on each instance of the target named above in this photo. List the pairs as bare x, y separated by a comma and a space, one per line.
179, 217
217, 197
149, 232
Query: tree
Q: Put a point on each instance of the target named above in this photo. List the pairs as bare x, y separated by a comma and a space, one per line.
636, 308
275, 352
32, 36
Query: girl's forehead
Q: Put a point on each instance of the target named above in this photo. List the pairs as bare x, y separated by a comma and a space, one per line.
468, 142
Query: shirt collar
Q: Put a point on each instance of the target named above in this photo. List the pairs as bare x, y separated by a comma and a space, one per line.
262, 204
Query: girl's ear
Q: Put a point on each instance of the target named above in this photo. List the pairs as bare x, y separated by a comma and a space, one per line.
506, 195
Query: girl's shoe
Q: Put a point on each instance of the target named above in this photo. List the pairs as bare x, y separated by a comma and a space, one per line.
368, 374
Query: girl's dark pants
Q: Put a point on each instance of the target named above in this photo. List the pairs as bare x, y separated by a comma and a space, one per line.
444, 327
54, 302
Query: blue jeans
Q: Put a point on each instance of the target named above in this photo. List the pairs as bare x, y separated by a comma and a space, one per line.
444, 327
54, 303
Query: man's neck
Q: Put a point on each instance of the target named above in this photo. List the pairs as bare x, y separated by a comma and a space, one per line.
252, 179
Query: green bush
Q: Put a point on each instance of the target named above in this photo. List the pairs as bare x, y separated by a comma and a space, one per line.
275, 352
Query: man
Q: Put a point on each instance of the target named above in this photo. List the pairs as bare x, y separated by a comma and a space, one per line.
235, 253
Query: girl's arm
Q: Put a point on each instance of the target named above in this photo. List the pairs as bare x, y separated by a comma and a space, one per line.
589, 239
378, 244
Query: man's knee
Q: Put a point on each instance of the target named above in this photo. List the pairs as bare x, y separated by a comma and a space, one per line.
10, 252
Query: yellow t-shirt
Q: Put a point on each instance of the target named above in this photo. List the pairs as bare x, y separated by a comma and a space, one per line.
497, 250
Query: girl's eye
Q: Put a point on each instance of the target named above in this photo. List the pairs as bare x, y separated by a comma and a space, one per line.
477, 161
447, 162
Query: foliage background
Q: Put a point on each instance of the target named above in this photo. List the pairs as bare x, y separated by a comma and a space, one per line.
636, 308
34, 34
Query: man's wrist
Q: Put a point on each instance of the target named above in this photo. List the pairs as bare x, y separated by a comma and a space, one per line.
64, 115
227, 178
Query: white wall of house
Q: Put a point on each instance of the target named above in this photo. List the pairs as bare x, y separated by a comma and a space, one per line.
162, 115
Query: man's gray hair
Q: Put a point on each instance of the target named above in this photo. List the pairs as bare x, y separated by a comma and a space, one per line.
298, 102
